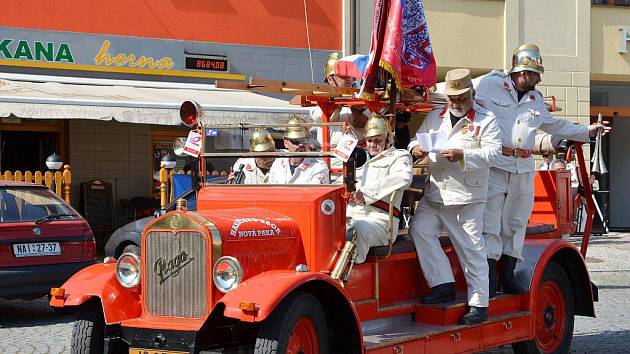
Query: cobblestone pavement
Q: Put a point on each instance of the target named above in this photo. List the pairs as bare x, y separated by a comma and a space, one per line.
33, 327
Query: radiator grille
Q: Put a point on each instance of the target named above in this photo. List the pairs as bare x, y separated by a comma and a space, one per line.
175, 273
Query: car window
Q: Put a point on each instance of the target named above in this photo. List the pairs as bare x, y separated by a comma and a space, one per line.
31, 204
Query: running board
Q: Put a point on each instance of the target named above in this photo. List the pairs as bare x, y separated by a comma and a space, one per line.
404, 332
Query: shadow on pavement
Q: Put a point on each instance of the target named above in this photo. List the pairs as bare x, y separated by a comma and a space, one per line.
30, 313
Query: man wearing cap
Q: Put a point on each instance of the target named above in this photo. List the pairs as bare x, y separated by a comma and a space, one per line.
387, 171
356, 118
455, 196
298, 170
520, 110
255, 169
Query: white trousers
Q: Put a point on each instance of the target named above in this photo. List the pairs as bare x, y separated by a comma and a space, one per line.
464, 225
509, 205
371, 228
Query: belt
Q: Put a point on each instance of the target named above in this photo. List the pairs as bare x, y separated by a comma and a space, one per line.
522, 153
385, 207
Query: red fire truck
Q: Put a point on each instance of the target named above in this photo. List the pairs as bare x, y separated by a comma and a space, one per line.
264, 269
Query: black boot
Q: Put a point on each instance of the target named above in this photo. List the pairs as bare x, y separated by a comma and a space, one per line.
441, 293
475, 315
492, 278
508, 281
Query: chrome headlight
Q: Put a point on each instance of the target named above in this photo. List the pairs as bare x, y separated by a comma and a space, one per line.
128, 270
227, 273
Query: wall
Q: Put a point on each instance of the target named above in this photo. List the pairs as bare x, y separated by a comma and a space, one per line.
115, 152
607, 64
254, 22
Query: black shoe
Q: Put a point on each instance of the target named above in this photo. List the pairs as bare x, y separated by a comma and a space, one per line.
508, 281
492, 278
475, 315
441, 293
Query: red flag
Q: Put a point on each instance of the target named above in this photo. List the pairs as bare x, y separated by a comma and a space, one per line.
401, 45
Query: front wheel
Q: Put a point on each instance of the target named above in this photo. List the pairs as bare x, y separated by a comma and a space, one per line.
88, 333
553, 314
297, 325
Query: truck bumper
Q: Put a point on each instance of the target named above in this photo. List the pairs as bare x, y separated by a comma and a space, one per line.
34, 281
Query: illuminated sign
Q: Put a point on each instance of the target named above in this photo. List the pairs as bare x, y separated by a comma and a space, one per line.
207, 63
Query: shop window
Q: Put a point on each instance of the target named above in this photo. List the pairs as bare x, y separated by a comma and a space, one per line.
26, 150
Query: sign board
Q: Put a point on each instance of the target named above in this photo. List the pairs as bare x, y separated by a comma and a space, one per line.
96, 204
207, 63
193, 144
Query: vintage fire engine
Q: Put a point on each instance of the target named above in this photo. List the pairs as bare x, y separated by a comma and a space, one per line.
264, 269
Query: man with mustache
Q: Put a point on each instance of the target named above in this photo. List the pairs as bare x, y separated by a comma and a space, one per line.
256, 169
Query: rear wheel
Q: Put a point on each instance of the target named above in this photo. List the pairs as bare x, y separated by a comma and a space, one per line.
553, 314
88, 334
297, 325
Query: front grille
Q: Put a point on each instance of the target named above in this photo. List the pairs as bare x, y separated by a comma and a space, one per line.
176, 273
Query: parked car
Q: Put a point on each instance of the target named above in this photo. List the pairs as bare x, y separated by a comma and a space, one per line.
43, 240
127, 238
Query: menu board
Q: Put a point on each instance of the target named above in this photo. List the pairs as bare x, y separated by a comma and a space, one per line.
96, 204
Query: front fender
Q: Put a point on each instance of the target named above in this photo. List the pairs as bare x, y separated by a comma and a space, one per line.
538, 253
266, 290
99, 281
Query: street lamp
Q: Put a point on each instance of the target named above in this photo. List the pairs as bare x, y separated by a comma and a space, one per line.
169, 161
54, 162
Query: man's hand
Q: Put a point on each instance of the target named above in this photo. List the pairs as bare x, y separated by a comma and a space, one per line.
357, 198
418, 152
453, 155
593, 128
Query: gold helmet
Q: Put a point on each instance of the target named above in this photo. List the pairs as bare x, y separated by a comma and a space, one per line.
376, 125
295, 130
261, 141
527, 58
329, 67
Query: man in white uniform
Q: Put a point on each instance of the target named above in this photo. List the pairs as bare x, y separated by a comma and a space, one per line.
255, 169
356, 118
298, 170
455, 196
520, 110
387, 171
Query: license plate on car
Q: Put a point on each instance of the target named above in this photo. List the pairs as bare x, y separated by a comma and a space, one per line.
36, 249
152, 351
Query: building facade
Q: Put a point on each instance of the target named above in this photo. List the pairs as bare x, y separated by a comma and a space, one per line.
155, 52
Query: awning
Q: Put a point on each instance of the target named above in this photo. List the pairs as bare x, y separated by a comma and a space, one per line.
146, 102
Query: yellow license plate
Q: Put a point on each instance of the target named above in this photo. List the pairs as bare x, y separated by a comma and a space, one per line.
153, 351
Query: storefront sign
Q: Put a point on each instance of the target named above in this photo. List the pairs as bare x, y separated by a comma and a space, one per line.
625, 38
114, 54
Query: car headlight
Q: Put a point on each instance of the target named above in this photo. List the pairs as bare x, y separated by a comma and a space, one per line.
227, 273
128, 270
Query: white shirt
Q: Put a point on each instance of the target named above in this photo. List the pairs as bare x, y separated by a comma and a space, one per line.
309, 171
253, 174
519, 120
466, 181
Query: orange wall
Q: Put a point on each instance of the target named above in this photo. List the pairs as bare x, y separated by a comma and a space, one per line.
256, 22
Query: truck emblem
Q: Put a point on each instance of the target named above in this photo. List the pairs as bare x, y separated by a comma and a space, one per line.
328, 207
170, 268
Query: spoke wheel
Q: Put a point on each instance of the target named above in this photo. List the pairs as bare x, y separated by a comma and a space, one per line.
297, 326
553, 315
303, 339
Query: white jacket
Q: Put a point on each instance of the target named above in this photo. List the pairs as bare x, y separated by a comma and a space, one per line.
518, 121
253, 174
383, 174
466, 181
310, 171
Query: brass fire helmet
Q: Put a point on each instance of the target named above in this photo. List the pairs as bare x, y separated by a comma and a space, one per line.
527, 58
261, 141
295, 130
376, 125
329, 67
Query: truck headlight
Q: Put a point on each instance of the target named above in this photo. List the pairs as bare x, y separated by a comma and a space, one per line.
128, 270
227, 273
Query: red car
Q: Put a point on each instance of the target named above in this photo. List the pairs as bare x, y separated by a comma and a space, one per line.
43, 241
